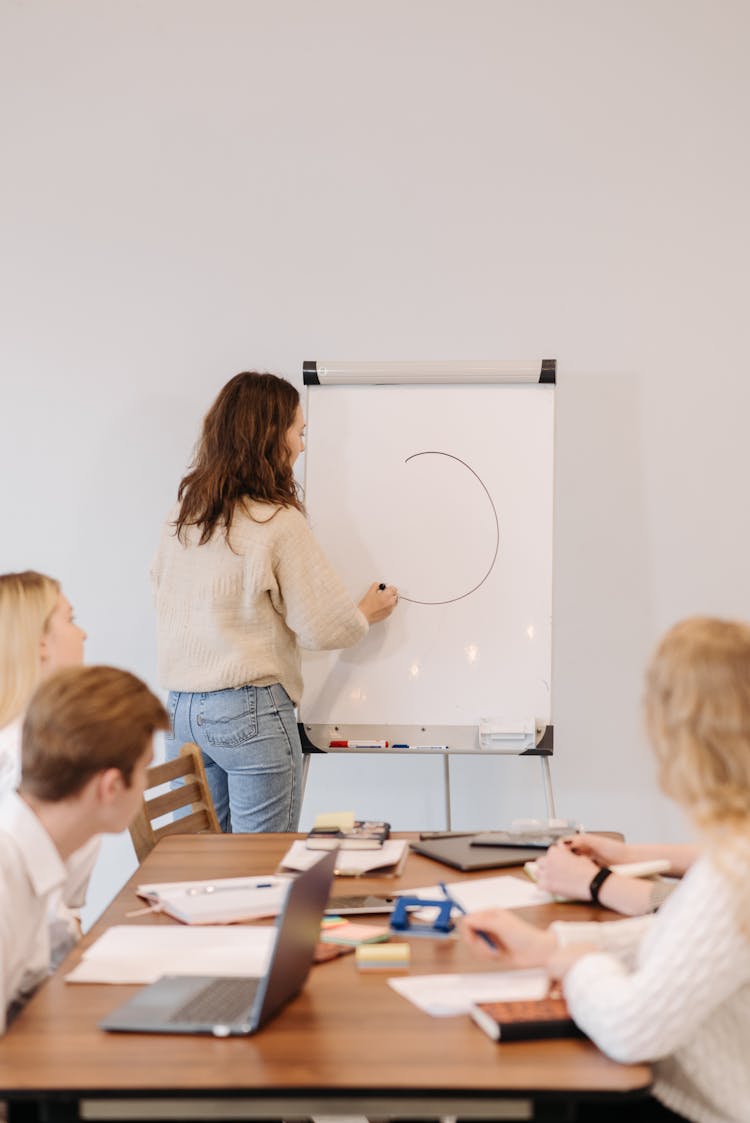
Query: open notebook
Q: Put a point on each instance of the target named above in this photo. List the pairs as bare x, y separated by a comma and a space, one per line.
229, 1006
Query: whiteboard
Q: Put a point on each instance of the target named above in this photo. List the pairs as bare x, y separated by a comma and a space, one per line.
445, 491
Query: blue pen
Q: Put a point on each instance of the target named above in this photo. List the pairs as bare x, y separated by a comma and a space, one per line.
482, 935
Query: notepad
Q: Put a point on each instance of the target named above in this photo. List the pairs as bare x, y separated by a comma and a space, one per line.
334, 820
444, 996
142, 953
505, 891
225, 900
351, 934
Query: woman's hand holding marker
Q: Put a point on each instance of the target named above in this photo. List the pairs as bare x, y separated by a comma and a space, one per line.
378, 602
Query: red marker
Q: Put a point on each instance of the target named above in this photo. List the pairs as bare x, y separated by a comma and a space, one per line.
358, 745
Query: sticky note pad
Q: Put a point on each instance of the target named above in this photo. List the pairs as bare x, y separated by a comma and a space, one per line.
354, 934
383, 957
333, 922
334, 821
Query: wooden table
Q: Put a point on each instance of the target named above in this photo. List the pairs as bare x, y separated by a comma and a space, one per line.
348, 1043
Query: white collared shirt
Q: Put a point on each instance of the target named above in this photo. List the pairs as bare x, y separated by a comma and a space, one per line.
31, 870
10, 756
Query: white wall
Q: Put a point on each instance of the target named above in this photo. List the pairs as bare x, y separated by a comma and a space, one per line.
194, 187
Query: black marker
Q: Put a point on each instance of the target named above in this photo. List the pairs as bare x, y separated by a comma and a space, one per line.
381, 586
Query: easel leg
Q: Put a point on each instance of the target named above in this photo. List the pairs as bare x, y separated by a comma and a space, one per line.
549, 799
447, 778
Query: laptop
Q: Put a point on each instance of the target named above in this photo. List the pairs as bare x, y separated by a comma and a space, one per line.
461, 854
228, 1006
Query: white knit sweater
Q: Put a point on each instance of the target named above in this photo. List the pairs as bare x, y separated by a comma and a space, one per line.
231, 616
674, 989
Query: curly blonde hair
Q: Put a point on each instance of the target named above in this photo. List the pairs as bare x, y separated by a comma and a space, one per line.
27, 601
697, 706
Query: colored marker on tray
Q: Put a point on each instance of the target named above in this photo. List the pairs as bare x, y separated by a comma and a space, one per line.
358, 745
422, 748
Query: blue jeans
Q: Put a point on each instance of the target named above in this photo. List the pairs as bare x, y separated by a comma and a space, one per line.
251, 750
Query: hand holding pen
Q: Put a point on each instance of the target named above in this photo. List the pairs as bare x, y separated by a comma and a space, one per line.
378, 602
522, 944
482, 935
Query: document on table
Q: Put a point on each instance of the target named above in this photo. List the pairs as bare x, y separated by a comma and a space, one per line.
223, 900
388, 858
444, 996
503, 892
142, 953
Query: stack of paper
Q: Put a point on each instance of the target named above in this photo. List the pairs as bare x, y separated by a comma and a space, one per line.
502, 892
445, 996
142, 953
387, 859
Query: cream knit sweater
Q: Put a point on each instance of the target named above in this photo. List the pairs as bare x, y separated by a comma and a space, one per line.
231, 616
674, 989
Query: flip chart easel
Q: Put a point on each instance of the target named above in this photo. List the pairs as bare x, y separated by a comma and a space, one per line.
438, 478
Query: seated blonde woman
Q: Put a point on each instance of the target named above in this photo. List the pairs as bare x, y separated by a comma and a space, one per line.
38, 636
673, 988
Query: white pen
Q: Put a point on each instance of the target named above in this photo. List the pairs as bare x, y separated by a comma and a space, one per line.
198, 890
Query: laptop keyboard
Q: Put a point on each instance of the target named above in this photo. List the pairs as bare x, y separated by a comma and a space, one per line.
221, 1002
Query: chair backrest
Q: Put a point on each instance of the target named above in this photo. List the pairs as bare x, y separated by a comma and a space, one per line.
193, 792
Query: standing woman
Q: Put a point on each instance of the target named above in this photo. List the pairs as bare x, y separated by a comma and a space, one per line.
241, 584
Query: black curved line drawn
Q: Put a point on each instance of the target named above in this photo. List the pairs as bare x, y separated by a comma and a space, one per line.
452, 600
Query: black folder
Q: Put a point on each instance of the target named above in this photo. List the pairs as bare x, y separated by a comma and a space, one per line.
461, 855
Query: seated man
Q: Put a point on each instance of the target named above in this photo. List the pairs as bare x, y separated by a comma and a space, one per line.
85, 748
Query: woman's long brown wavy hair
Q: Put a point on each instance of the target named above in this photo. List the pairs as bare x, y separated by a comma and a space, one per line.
242, 454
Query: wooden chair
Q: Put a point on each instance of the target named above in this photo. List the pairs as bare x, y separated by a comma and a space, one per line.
193, 792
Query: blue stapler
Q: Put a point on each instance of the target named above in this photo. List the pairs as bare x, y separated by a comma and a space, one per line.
402, 922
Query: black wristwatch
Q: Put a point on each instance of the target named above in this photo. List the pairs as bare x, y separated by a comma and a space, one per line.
597, 881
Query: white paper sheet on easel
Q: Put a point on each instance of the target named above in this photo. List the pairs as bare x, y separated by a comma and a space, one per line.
140, 953
444, 996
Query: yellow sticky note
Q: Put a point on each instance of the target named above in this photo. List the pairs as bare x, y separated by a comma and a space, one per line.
334, 821
391, 957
